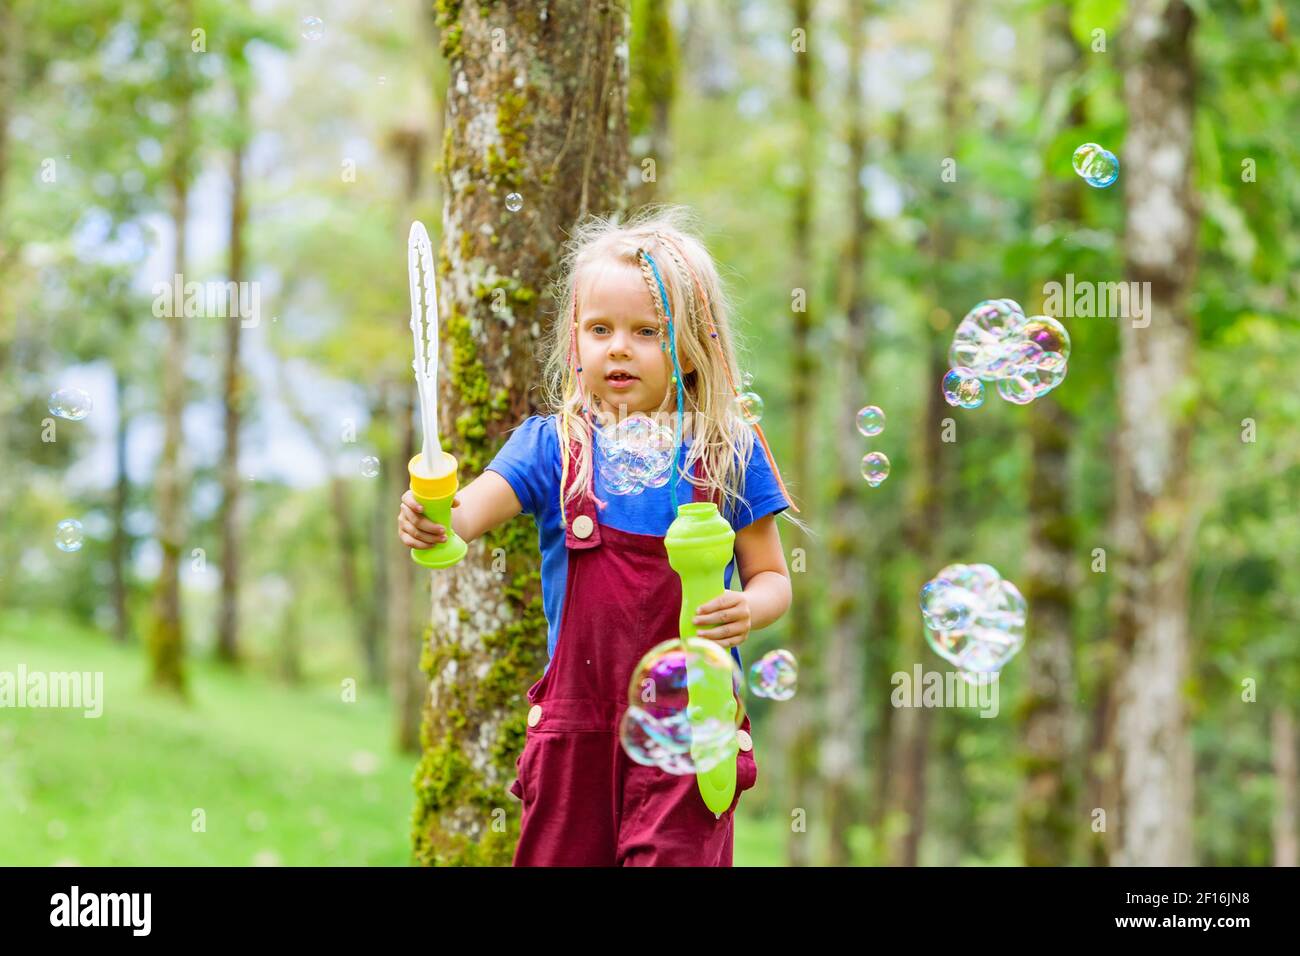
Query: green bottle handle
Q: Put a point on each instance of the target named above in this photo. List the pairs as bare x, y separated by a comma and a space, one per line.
449, 552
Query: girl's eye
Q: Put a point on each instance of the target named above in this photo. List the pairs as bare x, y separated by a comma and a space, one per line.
598, 329
650, 329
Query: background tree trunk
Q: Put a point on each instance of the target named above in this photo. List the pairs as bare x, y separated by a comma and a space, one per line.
928, 507
546, 117
652, 85
166, 637
233, 397
1154, 752
845, 724
405, 681
1048, 820
797, 730
119, 552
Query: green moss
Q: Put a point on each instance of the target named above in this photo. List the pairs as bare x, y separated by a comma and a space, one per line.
505, 163
447, 15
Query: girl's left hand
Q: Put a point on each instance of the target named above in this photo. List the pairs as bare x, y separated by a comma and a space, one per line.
730, 612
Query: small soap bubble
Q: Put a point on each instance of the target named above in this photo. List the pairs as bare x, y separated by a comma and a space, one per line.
69, 536
746, 379
963, 388
1099, 167
1019, 389
70, 403
312, 28
749, 405
875, 468
514, 202
370, 466
1048, 334
871, 421
775, 675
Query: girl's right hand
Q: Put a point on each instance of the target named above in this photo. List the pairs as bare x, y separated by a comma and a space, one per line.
415, 530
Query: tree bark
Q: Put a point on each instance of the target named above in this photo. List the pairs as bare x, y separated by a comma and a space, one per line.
1048, 815
845, 723
233, 399
1153, 500
544, 116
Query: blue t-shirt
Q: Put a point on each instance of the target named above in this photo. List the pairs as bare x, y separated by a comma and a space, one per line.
530, 462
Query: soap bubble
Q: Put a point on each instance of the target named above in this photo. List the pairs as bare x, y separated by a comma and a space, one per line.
963, 388
370, 466
983, 334
875, 467
312, 28
774, 675
946, 606
749, 405
973, 618
746, 379
70, 403
998, 344
1098, 167
637, 453
667, 723
68, 536
514, 202
1019, 389
1048, 334
871, 421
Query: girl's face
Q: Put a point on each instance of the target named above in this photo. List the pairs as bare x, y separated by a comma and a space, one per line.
618, 340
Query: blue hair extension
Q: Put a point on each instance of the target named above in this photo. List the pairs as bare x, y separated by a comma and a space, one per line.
677, 376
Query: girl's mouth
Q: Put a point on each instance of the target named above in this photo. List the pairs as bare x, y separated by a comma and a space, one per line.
620, 380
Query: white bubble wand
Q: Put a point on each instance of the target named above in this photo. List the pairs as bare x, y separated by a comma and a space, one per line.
433, 471
424, 329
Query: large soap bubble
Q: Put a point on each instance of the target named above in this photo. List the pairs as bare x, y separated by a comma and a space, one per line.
974, 619
666, 723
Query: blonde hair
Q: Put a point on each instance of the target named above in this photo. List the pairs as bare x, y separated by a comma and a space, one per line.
704, 340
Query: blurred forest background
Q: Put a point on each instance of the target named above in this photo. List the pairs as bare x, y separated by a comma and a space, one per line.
865, 172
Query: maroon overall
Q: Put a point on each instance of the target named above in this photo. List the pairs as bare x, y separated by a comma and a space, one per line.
585, 801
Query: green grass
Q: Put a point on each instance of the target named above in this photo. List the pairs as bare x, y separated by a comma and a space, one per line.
287, 775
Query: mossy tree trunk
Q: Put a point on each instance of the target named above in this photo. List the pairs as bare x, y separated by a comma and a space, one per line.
536, 104
1154, 504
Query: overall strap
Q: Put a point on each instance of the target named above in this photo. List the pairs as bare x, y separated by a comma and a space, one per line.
583, 530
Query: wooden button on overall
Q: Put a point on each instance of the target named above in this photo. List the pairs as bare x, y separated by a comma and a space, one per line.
534, 715
582, 526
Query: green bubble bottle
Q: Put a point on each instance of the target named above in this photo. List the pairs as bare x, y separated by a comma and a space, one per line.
700, 542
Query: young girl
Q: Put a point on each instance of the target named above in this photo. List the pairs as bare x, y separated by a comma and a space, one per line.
644, 331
